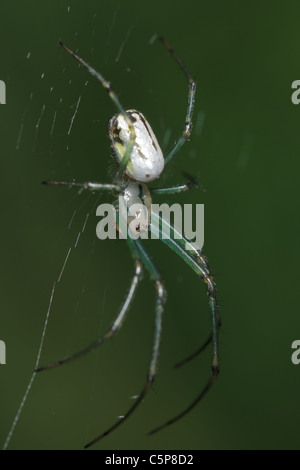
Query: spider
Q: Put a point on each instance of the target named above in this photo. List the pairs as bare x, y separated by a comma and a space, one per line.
140, 161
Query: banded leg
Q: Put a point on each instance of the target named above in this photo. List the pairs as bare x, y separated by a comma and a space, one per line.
206, 343
159, 307
190, 105
107, 86
114, 327
192, 183
199, 264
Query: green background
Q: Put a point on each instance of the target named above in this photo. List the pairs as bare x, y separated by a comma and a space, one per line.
244, 56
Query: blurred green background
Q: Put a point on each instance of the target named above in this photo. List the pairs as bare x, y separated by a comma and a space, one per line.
245, 150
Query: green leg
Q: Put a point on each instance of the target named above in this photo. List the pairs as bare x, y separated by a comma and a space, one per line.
199, 264
190, 105
107, 86
87, 185
138, 251
192, 183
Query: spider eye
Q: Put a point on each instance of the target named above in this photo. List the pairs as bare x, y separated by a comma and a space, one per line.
146, 161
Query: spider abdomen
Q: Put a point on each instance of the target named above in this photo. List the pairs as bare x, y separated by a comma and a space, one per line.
146, 161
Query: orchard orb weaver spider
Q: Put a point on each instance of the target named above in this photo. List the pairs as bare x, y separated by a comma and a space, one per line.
141, 160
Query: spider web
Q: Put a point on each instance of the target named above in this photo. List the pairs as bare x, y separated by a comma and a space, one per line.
61, 133
59, 116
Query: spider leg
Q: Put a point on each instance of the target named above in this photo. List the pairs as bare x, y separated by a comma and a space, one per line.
202, 260
114, 327
190, 105
206, 343
112, 94
192, 183
214, 375
201, 349
199, 264
87, 185
160, 300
